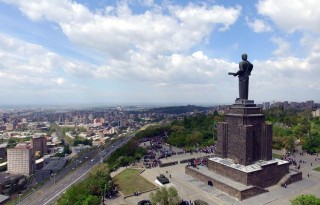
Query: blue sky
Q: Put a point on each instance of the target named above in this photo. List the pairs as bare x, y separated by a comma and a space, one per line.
145, 51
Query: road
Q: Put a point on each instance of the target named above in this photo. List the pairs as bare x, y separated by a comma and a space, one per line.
51, 191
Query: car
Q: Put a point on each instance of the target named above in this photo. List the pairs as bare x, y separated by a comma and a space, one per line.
144, 202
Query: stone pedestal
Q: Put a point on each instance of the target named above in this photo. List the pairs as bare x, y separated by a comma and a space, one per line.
244, 166
244, 137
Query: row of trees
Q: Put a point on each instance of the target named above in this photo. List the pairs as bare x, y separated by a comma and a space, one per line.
152, 131
307, 199
290, 126
89, 191
169, 196
125, 155
194, 131
80, 140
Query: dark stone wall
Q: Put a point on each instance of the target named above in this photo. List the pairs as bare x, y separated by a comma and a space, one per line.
244, 137
266, 145
228, 172
295, 177
231, 191
269, 174
222, 140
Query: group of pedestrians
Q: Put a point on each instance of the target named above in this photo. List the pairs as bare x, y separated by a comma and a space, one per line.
303, 160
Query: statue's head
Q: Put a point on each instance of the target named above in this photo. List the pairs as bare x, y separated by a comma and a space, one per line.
244, 56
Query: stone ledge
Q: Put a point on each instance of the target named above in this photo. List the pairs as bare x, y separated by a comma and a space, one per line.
249, 168
232, 188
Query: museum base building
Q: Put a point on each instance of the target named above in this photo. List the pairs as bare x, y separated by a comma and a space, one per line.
244, 166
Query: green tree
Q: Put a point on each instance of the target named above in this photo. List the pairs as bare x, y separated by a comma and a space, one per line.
125, 155
79, 140
91, 200
288, 142
12, 142
165, 196
195, 138
99, 179
306, 200
312, 144
88, 192
194, 130
76, 194
66, 149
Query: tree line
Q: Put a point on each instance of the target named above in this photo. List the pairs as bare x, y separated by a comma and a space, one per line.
89, 191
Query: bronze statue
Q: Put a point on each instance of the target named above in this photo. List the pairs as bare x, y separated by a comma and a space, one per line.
245, 68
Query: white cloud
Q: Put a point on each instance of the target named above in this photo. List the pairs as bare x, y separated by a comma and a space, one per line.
194, 16
176, 69
57, 11
285, 78
28, 58
142, 46
295, 16
310, 42
283, 47
31, 66
292, 15
119, 30
152, 49
258, 25
60, 81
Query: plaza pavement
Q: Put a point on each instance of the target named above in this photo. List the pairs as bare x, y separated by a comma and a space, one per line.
192, 189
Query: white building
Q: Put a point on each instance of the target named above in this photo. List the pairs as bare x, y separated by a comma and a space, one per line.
21, 160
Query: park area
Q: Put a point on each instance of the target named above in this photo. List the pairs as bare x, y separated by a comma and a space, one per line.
130, 181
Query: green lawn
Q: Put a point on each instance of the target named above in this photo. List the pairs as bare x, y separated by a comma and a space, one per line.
274, 155
130, 181
317, 169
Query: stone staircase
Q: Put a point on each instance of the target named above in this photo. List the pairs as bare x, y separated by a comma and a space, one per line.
291, 177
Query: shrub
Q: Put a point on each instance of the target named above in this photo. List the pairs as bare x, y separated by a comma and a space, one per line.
200, 202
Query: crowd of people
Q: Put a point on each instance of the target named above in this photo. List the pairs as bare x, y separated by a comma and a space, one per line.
158, 149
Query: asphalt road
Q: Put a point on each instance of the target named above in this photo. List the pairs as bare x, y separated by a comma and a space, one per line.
76, 172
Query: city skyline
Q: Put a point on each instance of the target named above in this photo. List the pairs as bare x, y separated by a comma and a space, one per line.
156, 52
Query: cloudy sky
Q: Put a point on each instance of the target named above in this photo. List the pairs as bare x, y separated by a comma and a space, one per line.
148, 51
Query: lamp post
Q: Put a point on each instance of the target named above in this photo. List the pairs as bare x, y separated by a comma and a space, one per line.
54, 178
214, 127
104, 192
19, 198
33, 190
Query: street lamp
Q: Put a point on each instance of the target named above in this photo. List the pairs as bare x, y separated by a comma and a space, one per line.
54, 178
33, 190
104, 192
19, 198
214, 127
